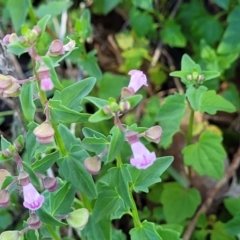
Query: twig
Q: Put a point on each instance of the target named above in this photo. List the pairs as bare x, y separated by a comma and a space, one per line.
207, 203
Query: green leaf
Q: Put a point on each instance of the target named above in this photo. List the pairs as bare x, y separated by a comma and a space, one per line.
99, 230
232, 95
224, 4
232, 205
49, 63
16, 48
219, 233
26, 98
97, 101
4, 143
133, 100
144, 4
83, 26
60, 113
230, 40
111, 84
172, 35
42, 23
179, 203
74, 171
211, 103
117, 140
52, 8
208, 153
61, 200
107, 203
143, 179
146, 231
32, 174
88, 132
89, 63
167, 233
141, 22
46, 162
170, 116
47, 218
68, 138
232, 226
18, 11
78, 91
208, 75
105, 6
99, 116
194, 96
94, 144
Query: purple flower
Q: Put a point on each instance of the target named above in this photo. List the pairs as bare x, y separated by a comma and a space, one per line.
142, 158
32, 199
138, 79
44, 75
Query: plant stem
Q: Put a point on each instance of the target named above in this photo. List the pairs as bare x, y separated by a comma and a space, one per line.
86, 202
59, 141
52, 232
135, 216
190, 127
119, 160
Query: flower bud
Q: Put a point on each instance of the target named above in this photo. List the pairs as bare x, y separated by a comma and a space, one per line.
201, 78
153, 134
13, 37
36, 30
70, 45
93, 165
44, 133
114, 107
106, 109
3, 174
6, 153
6, 39
50, 183
78, 218
44, 75
4, 198
56, 48
127, 92
12, 91
11, 235
34, 221
23, 177
5, 82
189, 77
125, 106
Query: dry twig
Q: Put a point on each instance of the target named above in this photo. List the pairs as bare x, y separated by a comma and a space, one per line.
207, 203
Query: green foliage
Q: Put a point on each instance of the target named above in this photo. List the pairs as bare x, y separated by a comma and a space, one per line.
170, 116
209, 155
179, 203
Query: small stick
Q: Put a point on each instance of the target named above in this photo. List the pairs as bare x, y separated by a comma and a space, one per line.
207, 203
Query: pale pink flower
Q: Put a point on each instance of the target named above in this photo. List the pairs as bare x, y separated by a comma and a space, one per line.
32, 199
138, 79
46, 84
142, 158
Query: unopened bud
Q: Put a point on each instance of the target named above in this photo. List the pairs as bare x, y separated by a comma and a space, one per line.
78, 218
114, 107
11, 235
201, 78
70, 45
56, 48
125, 106
5, 82
6, 153
189, 77
50, 183
12, 91
107, 110
44, 133
93, 165
6, 39
23, 177
13, 37
3, 174
127, 92
4, 198
36, 30
195, 75
153, 134
34, 221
